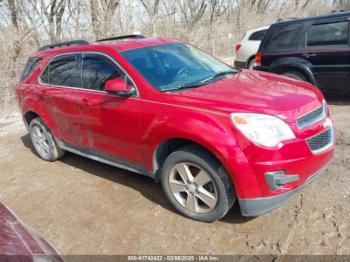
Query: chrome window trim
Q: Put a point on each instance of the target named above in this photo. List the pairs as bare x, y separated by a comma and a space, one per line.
321, 117
82, 88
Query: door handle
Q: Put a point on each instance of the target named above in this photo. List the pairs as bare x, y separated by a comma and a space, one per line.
84, 103
309, 55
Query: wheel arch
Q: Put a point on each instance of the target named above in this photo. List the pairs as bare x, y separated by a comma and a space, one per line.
249, 59
296, 67
170, 145
32, 107
29, 116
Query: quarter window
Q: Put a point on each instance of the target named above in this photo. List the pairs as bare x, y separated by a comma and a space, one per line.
97, 69
257, 36
31, 64
336, 33
284, 38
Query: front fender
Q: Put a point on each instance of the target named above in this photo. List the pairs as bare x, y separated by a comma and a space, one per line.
209, 131
212, 131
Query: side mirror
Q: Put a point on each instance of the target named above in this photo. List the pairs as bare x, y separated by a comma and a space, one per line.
119, 86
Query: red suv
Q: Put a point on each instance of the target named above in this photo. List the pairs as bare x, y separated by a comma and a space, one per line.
211, 134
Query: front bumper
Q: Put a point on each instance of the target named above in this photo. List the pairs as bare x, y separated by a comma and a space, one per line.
252, 207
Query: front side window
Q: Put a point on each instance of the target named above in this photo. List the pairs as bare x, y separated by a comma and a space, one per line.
172, 66
63, 71
284, 38
97, 69
336, 33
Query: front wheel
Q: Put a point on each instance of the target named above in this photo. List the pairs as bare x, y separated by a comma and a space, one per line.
197, 185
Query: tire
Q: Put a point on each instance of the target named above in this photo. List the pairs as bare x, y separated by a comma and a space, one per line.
44, 144
251, 64
295, 75
195, 198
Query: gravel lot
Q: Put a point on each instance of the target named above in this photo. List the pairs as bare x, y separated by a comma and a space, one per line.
85, 207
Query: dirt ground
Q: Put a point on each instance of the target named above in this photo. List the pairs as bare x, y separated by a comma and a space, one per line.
85, 207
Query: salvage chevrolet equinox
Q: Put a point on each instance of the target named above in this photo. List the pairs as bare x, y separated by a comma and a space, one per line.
211, 134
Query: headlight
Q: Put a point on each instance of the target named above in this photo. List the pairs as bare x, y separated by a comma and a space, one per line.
262, 129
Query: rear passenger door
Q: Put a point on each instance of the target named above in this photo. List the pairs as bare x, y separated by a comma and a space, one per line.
328, 50
60, 87
111, 122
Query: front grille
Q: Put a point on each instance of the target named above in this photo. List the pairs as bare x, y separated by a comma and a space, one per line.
312, 117
321, 141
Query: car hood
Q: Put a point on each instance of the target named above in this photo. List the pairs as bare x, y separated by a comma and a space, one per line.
254, 91
18, 239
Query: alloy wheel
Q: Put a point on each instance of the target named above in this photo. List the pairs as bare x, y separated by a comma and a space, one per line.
193, 187
40, 141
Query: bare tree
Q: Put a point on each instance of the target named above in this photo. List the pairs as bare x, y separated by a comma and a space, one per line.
54, 12
152, 9
192, 11
102, 13
341, 4
158, 11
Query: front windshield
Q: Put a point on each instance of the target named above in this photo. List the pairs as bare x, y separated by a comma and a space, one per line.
174, 66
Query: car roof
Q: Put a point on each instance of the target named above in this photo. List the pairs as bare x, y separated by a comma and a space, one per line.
251, 31
119, 45
314, 18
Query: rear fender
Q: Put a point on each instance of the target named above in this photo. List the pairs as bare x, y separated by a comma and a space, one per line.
35, 104
297, 64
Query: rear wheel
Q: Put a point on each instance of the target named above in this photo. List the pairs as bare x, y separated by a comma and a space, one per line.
295, 75
43, 142
251, 64
197, 185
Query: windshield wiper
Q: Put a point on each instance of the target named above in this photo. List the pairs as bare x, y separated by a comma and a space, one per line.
191, 85
202, 82
218, 75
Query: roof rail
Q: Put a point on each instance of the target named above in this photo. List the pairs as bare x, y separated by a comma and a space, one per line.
285, 19
121, 37
67, 43
338, 11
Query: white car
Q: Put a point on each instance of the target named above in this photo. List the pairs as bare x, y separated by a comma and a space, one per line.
247, 48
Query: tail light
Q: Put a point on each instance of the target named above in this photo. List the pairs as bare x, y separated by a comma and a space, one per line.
258, 59
237, 47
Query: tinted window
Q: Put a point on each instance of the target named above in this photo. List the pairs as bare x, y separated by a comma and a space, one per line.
63, 71
284, 37
328, 34
30, 66
97, 69
257, 36
170, 66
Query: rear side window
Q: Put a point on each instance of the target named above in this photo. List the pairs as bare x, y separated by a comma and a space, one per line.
97, 69
257, 36
284, 37
31, 64
63, 71
336, 33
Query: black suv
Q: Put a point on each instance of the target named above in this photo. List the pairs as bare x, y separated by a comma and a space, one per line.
314, 49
